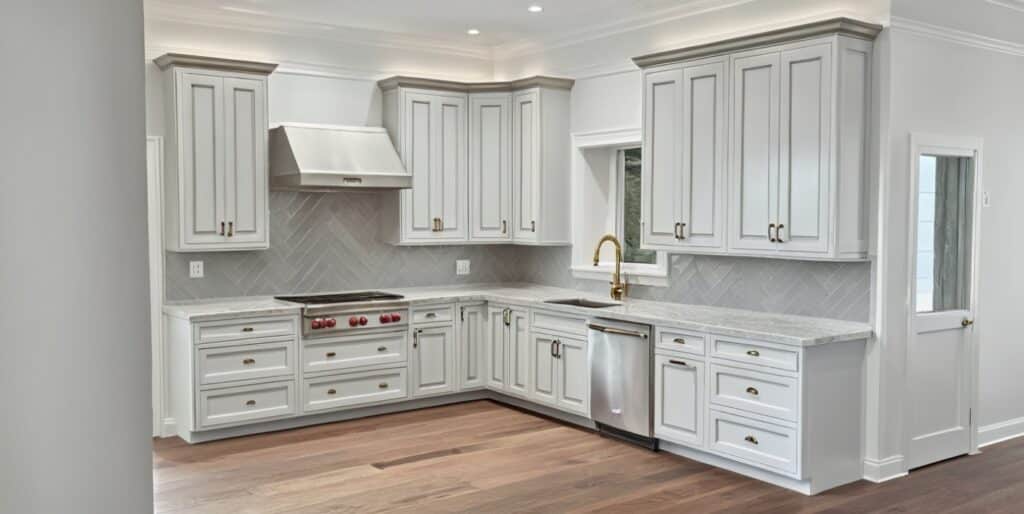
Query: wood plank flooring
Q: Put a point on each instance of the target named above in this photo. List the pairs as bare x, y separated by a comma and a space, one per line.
485, 457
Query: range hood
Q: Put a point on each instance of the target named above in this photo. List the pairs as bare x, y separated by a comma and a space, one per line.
305, 157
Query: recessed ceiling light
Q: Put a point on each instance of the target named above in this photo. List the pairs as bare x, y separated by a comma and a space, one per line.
473, 32
535, 8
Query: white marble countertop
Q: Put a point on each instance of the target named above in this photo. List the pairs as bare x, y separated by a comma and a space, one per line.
778, 328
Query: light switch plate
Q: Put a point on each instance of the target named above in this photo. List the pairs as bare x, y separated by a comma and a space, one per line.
195, 269
462, 267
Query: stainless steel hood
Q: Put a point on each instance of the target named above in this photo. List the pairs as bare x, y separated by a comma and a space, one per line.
305, 157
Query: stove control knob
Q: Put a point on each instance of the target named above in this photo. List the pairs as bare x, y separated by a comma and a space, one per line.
317, 324
396, 317
330, 323
363, 320
353, 321
385, 318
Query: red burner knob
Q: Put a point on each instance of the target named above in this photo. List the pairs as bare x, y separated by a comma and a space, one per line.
385, 318
396, 317
330, 322
316, 324
363, 320
353, 321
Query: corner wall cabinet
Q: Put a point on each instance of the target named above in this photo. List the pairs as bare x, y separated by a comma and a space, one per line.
489, 161
759, 145
215, 181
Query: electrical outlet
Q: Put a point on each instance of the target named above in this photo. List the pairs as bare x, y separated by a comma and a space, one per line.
462, 267
195, 269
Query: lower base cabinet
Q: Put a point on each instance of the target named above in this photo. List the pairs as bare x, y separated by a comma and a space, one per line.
679, 399
432, 361
353, 389
472, 346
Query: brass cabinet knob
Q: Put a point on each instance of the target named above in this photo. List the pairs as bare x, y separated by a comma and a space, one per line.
753, 353
753, 391
966, 322
248, 362
750, 439
332, 392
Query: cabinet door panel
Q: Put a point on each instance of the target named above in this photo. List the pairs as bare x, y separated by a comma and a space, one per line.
420, 162
804, 149
526, 164
573, 376
432, 359
472, 345
755, 143
448, 187
245, 159
490, 172
679, 399
497, 350
663, 112
544, 368
519, 353
703, 157
203, 188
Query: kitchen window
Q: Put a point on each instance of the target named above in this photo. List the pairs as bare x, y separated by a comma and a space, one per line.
628, 178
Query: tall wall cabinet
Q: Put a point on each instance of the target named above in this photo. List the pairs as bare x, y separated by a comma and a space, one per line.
490, 162
759, 145
216, 185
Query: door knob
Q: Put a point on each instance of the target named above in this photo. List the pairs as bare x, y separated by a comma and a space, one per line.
966, 322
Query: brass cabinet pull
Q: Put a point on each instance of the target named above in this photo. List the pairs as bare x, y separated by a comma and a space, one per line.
247, 362
382, 385
778, 233
382, 348
533, 226
431, 314
247, 329
556, 348
675, 231
332, 392
250, 403
440, 223
331, 354
231, 229
966, 322
679, 363
504, 227
682, 231
750, 439
506, 316
416, 338
222, 228
753, 353
771, 236
679, 340
753, 391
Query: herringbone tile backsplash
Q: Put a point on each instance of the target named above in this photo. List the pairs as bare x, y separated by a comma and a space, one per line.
330, 242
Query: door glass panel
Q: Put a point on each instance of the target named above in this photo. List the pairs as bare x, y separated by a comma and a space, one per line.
945, 207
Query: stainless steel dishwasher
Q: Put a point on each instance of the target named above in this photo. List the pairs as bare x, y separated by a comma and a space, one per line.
620, 380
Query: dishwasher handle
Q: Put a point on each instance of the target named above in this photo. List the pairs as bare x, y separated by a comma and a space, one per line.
617, 331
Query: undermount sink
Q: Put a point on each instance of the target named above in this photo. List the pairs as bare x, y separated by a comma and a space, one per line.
582, 302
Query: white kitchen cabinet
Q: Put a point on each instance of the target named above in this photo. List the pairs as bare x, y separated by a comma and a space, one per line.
679, 399
216, 185
794, 184
432, 361
544, 367
476, 184
685, 156
497, 346
573, 391
519, 346
429, 131
472, 353
490, 167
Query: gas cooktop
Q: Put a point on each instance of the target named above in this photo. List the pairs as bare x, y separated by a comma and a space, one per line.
326, 299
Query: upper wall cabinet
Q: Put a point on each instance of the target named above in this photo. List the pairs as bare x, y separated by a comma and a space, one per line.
215, 181
785, 173
489, 161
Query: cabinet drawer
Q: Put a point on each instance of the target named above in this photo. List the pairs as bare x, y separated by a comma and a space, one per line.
219, 331
354, 351
681, 341
769, 446
218, 365
433, 313
755, 353
245, 404
544, 320
324, 393
761, 393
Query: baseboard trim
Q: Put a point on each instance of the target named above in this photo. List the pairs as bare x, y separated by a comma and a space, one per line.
1001, 431
882, 470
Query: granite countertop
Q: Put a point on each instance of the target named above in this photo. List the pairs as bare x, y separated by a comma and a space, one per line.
778, 328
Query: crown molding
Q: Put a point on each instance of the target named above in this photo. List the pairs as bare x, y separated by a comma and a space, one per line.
960, 37
475, 87
198, 61
156, 10
835, 26
1016, 5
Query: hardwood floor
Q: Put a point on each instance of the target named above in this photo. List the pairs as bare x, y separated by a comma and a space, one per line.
484, 457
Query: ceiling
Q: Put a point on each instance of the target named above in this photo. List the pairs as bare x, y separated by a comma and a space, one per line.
500, 22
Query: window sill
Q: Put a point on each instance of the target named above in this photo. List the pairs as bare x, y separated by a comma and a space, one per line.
650, 275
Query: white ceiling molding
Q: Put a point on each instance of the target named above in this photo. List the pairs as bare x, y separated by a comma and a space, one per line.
257, 22
1016, 5
957, 36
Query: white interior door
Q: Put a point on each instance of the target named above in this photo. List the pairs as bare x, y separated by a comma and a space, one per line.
941, 354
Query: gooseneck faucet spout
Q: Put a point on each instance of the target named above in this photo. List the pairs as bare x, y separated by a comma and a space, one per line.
618, 288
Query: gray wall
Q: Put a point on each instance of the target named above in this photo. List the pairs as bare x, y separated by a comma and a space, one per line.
74, 314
